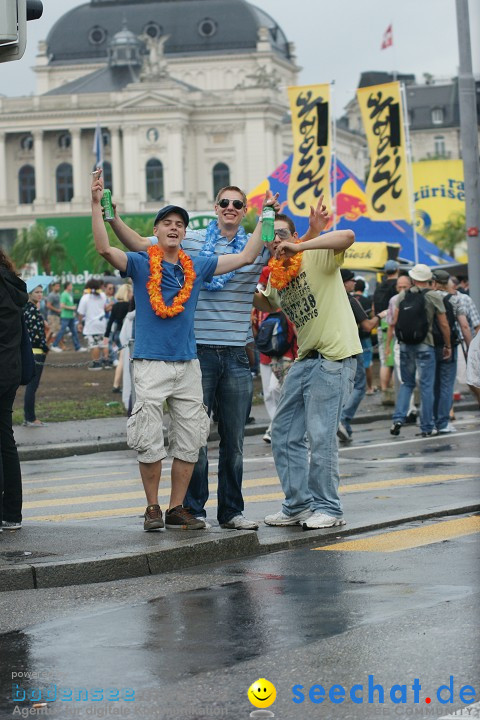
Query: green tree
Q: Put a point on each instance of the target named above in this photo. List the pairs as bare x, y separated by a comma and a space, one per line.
450, 234
36, 244
249, 222
143, 226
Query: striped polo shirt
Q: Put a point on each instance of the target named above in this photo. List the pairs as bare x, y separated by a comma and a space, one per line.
222, 316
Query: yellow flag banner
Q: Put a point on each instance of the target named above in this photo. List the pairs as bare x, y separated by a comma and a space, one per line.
310, 174
387, 185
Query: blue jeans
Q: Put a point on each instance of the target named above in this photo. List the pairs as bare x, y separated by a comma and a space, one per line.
445, 374
422, 358
226, 378
312, 398
356, 397
64, 324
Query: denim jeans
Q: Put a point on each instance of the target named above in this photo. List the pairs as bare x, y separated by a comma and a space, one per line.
312, 398
445, 373
226, 378
10, 475
412, 358
359, 388
31, 389
64, 324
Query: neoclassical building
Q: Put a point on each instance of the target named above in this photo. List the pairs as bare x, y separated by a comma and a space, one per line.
190, 95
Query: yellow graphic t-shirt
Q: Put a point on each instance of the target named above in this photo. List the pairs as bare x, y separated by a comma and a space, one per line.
317, 304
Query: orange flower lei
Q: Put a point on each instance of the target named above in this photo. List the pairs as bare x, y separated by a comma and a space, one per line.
283, 271
154, 284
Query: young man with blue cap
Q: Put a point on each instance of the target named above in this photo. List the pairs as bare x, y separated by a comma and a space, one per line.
167, 283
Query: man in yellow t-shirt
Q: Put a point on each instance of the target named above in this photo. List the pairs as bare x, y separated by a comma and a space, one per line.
320, 380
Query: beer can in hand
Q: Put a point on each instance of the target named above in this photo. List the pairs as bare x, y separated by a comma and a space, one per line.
106, 203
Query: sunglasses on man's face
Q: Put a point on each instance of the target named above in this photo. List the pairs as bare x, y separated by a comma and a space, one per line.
282, 233
225, 202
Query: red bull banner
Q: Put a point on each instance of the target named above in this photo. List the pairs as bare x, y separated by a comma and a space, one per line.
310, 173
387, 185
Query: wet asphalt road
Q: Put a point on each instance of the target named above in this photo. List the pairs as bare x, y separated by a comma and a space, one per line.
189, 645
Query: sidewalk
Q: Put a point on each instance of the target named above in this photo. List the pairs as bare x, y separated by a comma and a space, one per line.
83, 437
44, 555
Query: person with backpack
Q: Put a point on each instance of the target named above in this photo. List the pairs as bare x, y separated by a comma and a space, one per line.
382, 295
413, 319
446, 370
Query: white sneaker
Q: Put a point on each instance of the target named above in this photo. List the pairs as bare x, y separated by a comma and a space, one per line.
53, 348
449, 429
240, 523
267, 437
200, 517
11, 525
279, 518
321, 520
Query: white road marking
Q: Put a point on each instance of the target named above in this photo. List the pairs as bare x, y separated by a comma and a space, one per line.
393, 442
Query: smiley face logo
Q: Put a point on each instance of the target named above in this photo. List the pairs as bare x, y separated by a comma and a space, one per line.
262, 693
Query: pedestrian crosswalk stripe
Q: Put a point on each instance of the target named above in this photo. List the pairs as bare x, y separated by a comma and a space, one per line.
411, 538
165, 491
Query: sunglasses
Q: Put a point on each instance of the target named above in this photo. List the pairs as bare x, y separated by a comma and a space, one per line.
282, 233
225, 202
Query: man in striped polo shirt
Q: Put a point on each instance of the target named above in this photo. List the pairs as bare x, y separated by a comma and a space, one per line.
222, 330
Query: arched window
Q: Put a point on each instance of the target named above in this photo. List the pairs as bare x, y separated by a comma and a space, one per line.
221, 177
26, 185
107, 174
154, 175
64, 179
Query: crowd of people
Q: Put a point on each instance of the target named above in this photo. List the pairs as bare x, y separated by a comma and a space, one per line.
188, 309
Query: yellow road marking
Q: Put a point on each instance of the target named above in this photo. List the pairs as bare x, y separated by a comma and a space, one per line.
416, 480
134, 483
163, 493
406, 539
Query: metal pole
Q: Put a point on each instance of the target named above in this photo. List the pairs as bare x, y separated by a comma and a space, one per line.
408, 155
469, 138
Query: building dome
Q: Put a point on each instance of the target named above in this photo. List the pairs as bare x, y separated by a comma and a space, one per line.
193, 27
125, 48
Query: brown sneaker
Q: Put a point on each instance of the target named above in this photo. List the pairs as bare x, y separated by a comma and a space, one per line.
179, 518
153, 518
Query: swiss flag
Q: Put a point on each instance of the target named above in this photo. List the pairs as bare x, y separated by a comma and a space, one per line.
387, 38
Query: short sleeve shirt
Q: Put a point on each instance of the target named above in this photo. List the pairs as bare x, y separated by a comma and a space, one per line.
317, 304
66, 299
54, 300
170, 339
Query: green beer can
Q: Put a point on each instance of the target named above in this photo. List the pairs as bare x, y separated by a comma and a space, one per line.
106, 203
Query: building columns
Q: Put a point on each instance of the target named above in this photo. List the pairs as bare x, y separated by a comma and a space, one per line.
117, 175
39, 158
78, 185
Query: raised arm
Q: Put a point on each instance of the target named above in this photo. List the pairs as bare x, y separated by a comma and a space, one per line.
338, 241
227, 263
114, 256
128, 237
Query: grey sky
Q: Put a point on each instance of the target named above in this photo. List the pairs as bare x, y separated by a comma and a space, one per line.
334, 39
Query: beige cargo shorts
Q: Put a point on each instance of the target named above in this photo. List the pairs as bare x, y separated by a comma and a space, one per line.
179, 385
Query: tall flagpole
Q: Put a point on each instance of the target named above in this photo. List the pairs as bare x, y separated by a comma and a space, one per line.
406, 126
334, 152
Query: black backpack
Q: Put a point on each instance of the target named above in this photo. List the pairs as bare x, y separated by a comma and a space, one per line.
412, 321
272, 337
383, 294
437, 333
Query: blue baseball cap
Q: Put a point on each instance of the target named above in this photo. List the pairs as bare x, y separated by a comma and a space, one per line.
168, 209
391, 266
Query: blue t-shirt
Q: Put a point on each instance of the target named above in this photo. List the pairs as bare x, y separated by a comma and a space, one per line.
169, 339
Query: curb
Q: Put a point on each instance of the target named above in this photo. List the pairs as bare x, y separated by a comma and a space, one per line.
200, 551
50, 452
